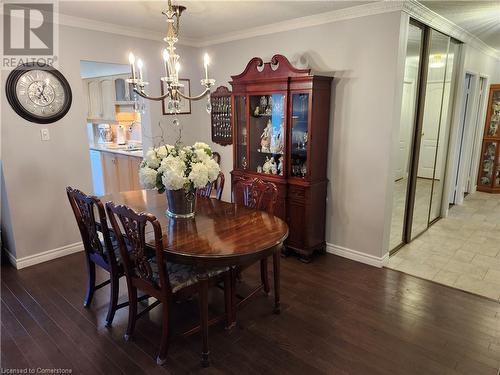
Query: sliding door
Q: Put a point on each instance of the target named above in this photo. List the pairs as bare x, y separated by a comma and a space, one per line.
430, 118
406, 133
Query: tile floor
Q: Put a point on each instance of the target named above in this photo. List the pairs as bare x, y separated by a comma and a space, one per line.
462, 250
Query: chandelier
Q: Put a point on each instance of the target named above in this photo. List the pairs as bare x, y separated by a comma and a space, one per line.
172, 67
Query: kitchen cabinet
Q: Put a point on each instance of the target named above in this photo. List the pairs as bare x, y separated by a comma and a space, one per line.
94, 99
103, 94
107, 98
123, 90
120, 172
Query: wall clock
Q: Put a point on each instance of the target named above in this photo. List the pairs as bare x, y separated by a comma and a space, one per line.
38, 93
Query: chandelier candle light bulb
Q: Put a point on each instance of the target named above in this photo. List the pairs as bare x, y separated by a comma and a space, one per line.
131, 60
140, 65
206, 61
166, 58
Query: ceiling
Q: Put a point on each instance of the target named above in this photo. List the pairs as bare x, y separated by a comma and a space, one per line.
480, 18
206, 20
202, 19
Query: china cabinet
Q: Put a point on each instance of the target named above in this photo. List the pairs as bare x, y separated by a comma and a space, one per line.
280, 134
489, 167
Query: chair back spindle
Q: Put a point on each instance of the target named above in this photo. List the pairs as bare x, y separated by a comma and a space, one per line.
218, 185
84, 208
137, 259
255, 193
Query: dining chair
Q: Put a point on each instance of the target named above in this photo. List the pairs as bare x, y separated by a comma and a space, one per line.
159, 278
100, 247
218, 185
260, 195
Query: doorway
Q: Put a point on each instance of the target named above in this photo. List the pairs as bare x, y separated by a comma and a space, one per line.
467, 153
428, 91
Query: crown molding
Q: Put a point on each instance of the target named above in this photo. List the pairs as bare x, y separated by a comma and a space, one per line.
85, 23
412, 7
369, 9
423, 14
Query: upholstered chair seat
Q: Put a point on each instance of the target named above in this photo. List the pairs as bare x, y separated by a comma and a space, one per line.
180, 275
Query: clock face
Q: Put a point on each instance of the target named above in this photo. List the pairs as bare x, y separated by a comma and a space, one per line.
38, 93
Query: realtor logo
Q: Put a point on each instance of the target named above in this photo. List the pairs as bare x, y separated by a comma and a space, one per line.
28, 29
30, 33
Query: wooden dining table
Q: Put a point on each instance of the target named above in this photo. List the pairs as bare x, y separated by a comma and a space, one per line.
221, 234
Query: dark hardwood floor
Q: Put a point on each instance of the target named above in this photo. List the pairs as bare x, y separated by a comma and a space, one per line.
338, 317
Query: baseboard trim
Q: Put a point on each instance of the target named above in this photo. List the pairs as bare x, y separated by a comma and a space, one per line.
357, 256
45, 256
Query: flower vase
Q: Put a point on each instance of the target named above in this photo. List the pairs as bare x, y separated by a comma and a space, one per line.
181, 203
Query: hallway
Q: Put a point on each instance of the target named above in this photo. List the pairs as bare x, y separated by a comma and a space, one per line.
462, 251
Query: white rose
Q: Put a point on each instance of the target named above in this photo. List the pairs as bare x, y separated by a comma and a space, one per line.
201, 145
173, 180
151, 159
147, 177
162, 152
172, 163
201, 155
198, 175
213, 169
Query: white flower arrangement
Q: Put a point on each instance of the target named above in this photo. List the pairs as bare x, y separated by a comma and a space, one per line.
178, 167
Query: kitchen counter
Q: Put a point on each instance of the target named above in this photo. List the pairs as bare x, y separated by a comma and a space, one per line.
117, 150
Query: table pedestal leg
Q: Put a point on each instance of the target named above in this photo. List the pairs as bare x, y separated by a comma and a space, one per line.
276, 273
203, 279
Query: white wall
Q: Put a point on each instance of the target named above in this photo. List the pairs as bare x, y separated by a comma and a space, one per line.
36, 173
362, 55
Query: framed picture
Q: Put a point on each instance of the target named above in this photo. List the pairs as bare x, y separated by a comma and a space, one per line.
185, 105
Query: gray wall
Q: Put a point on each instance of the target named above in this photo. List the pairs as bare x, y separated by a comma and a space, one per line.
366, 56
35, 173
362, 54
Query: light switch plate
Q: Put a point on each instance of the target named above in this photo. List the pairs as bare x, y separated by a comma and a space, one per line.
44, 134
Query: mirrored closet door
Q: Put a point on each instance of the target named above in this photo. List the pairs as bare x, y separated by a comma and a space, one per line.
420, 168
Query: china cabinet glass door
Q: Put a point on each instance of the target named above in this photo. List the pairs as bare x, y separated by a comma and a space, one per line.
267, 134
240, 123
300, 121
488, 163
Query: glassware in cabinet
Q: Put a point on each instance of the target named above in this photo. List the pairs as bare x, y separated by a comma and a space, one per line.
267, 133
487, 163
493, 128
300, 135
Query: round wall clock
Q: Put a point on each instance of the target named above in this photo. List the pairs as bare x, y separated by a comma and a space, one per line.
38, 93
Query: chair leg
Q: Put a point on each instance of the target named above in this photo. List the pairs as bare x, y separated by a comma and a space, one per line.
203, 304
264, 275
228, 293
90, 283
132, 312
162, 353
113, 299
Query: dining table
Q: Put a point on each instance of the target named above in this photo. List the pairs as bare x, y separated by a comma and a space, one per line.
220, 235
